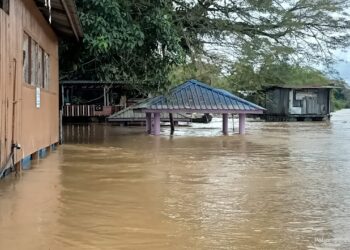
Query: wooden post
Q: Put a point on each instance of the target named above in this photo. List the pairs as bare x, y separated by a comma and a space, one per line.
148, 123
156, 124
62, 96
104, 96
172, 125
225, 124
242, 124
61, 127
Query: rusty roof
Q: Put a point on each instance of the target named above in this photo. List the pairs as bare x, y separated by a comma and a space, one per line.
194, 96
64, 17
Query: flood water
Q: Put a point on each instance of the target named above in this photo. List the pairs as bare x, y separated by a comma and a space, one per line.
281, 186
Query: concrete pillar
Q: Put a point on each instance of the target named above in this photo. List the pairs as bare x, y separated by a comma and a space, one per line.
225, 124
242, 124
156, 124
233, 122
148, 123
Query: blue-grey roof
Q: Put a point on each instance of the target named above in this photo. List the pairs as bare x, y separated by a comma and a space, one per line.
129, 114
195, 96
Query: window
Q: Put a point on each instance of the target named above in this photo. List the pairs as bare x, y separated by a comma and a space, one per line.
26, 64
297, 102
36, 64
5, 5
46, 70
40, 68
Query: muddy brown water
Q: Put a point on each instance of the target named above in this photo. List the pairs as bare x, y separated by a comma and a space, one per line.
281, 186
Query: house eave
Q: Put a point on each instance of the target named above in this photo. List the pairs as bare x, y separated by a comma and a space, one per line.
64, 18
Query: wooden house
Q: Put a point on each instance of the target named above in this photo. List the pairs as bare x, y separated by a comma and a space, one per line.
29, 83
297, 103
87, 100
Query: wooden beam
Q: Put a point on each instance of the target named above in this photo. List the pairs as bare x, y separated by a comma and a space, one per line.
64, 4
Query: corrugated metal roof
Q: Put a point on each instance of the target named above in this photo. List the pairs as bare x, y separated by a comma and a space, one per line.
300, 87
64, 17
195, 96
129, 114
91, 82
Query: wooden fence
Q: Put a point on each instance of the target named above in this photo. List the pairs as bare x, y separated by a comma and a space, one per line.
88, 110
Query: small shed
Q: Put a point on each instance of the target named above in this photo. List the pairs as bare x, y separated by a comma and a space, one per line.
297, 103
196, 97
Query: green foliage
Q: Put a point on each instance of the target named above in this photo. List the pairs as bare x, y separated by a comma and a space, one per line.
244, 76
205, 72
142, 41
123, 40
299, 29
341, 97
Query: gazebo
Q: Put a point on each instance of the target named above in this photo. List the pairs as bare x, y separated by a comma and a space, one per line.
196, 97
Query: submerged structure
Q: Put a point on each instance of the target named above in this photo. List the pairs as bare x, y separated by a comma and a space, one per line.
83, 100
129, 116
29, 110
196, 97
297, 103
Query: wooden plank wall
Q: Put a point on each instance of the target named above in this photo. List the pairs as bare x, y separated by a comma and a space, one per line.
33, 128
277, 101
4, 77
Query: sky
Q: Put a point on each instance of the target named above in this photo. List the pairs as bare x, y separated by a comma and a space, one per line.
344, 71
343, 66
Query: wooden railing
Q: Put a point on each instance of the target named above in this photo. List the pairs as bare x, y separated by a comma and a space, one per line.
88, 110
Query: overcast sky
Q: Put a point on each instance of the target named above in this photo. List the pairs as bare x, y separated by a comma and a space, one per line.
344, 67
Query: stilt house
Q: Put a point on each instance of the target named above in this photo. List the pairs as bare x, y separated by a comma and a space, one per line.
29, 36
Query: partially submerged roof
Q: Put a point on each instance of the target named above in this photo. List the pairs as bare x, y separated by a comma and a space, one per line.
299, 87
128, 114
91, 82
64, 17
194, 96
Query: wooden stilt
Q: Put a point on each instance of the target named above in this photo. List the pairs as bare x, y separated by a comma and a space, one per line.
172, 125
148, 123
104, 96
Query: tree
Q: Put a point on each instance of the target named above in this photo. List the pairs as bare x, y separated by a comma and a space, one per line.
297, 29
142, 40
206, 72
123, 40
243, 76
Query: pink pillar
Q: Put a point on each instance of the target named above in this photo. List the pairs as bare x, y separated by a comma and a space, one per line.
242, 124
156, 124
225, 124
148, 123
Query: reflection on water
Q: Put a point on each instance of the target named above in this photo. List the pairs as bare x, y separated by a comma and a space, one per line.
281, 186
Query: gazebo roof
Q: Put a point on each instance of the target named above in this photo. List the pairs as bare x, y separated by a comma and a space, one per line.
129, 114
194, 96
